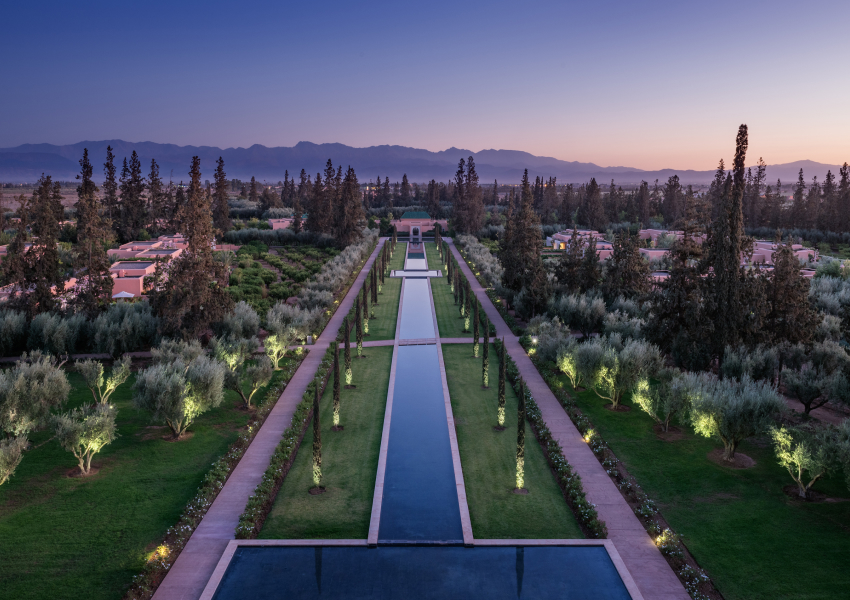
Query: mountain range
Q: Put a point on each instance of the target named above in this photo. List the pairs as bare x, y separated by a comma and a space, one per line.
25, 163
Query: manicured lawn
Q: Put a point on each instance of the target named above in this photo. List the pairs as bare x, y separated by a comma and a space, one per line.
449, 320
489, 459
382, 327
754, 541
349, 462
64, 537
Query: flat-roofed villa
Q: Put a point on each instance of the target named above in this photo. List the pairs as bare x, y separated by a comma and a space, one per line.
165, 246
417, 222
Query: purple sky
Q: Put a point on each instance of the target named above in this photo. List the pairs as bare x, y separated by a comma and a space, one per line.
641, 84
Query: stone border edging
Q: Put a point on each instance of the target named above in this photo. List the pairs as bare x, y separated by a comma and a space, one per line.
465, 521
378, 494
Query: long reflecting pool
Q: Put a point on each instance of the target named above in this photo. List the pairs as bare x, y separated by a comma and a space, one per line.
422, 573
420, 497
417, 322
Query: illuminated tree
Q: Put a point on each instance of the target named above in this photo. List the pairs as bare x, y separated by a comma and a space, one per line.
101, 385
336, 386
520, 438
359, 329
348, 374
177, 392
365, 310
317, 438
11, 451
485, 365
85, 431
234, 354
29, 392
500, 414
476, 334
805, 450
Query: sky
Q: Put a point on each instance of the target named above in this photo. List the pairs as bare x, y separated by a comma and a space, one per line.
651, 84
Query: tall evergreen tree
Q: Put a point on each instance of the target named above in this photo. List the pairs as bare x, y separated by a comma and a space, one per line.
843, 198
44, 277
157, 199
359, 324
133, 202
568, 270
432, 202
627, 273
592, 211
673, 199
508, 249
485, 364
532, 277
348, 215
348, 373
500, 413
336, 425
791, 317
194, 295
590, 272
476, 334
405, 191
221, 210
94, 283
520, 438
317, 439
110, 190
253, 191
642, 201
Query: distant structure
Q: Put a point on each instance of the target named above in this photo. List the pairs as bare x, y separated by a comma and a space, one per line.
417, 222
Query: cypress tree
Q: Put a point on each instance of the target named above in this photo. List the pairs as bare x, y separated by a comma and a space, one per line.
466, 308
500, 415
133, 202
110, 189
476, 334
365, 310
348, 374
520, 438
456, 287
462, 292
94, 286
253, 193
157, 200
359, 323
297, 210
345, 208
195, 293
317, 439
374, 275
568, 270
221, 211
590, 272
485, 365
336, 426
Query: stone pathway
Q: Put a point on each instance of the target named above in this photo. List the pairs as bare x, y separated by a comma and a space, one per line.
650, 570
192, 569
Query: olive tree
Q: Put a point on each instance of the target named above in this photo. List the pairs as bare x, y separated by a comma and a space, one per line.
811, 386
243, 322
732, 410
29, 391
235, 354
286, 324
170, 351
11, 451
177, 392
664, 401
85, 431
101, 385
619, 371
808, 452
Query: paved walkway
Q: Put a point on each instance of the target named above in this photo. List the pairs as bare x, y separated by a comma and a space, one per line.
197, 561
650, 570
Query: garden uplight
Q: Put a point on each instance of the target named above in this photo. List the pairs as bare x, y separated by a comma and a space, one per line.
534, 340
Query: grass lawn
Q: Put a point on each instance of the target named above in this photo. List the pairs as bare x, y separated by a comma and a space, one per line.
349, 462
489, 459
382, 327
449, 320
64, 537
754, 541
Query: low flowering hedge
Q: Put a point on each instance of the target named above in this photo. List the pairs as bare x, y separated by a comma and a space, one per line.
160, 560
260, 502
567, 478
697, 583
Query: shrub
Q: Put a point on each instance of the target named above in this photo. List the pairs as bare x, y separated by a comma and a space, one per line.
585, 312
482, 261
177, 392
732, 410
85, 431
55, 335
278, 213
829, 329
125, 327
551, 337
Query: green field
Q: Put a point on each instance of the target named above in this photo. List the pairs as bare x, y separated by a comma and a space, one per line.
489, 459
449, 320
63, 537
349, 462
386, 311
753, 540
